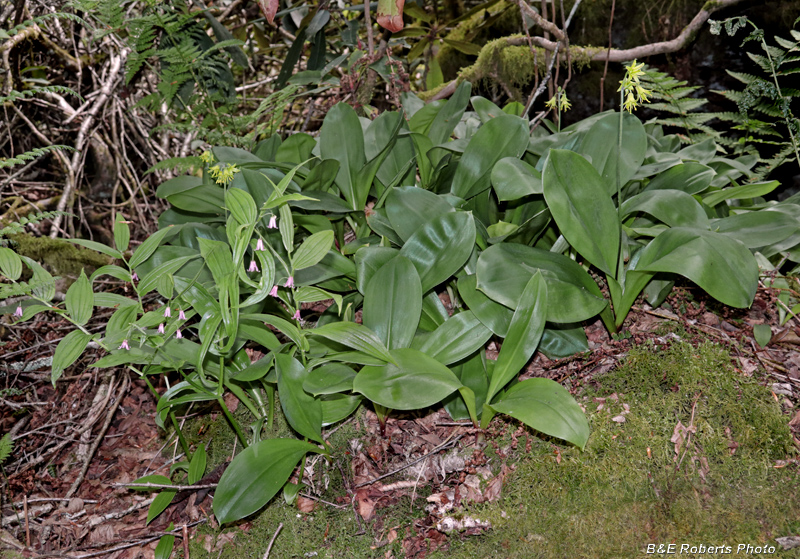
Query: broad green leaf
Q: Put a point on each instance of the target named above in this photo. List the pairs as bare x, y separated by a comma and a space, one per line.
757, 229
309, 294
313, 249
393, 303
572, 296
459, 337
159, 504
377, 136
254, 371
368, 261
256, 475
523, 336
446, 118
111, 270
743, 192
196, 295
336, 407
197, 467
341, 139
503, 136
691, 178
149, 246
119, 325
201, 199
67, 352
582, 208
122, 233
354, 336
601, 146
45, 283
512, 179
473, 376
416, 381
241, 205
433, 312
672, 207
80, 300
10, 264
178, 185
702, 152
440, 247
366, 175
493, 315
546, 406
332, 265
289, 329
762, 334
329, 379
150, 279
723, 267
166, 544
99, 247
104, 299
558, 343
286, 227
302, 410
409, 208
486, 109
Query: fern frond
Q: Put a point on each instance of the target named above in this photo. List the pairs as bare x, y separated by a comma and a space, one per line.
15, 95
31, 155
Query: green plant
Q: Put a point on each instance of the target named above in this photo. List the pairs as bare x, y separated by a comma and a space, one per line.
766, 96
495, 222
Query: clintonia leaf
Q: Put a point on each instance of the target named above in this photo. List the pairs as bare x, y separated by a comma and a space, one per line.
547, 407
582, 208
441, 247
393, 302
723, 267
416, 381
256, 475
523, 336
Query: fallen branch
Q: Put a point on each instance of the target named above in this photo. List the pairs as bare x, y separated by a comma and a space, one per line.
594, 54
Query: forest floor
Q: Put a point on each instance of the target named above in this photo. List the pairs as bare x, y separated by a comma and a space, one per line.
695, 438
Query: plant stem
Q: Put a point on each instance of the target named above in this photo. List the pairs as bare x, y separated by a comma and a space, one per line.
232, 421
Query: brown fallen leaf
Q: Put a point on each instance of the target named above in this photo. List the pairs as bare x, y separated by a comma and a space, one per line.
305, 504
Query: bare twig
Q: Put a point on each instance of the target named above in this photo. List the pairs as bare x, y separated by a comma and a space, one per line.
82, 139
166, 486
272, 541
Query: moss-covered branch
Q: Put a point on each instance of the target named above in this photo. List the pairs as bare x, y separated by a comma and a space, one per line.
492, 53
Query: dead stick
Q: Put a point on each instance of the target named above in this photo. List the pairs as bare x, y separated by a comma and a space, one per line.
27, 524
185, 542
272, 541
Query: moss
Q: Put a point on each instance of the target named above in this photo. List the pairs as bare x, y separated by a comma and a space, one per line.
629, 488
61, 257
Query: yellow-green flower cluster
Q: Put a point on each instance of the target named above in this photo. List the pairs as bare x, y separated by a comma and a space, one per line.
559, 101
207, 157
631, 89
223, 176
